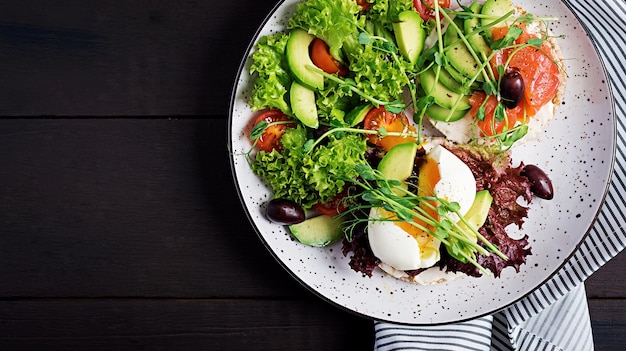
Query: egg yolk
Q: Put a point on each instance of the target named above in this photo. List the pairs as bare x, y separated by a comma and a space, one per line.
422, 238
428, 177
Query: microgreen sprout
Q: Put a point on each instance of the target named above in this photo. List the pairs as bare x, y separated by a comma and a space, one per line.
407, 206
381, 132
491, 80
258, 130
388, 47
349, 83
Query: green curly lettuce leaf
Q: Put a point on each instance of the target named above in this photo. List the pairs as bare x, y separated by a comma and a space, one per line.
273, 80
334, 21
333, 102
314, 177
328, 166
386, 12
377, 75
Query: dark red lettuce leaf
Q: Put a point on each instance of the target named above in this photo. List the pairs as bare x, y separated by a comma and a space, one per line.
362, 259
493, 171
506, 185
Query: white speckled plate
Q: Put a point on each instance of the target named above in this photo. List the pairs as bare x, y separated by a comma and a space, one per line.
577, 151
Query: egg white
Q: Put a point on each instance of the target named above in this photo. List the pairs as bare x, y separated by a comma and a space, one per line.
403, 251
457, 183
397, 248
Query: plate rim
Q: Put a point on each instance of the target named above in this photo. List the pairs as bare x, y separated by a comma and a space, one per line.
309, 287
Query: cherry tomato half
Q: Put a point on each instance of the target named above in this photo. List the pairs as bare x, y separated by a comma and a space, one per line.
333, 207
379, 118
489, 126
270, 138
425, 7
364, 4
321, 57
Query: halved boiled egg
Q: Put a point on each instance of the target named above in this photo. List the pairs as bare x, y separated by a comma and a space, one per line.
447, 177
400, 244
405, 246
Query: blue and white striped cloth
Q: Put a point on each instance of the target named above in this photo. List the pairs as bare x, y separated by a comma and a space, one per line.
555, 316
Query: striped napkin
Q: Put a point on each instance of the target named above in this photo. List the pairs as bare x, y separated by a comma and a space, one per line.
555, 316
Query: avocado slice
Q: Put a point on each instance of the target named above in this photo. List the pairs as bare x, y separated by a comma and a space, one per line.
443, 114
452, 83
477, 214
460, 78
494, 9
458, 54
303, 104
397, 164
357, 114
298, 59
410, 35
443, 96
318, 231
476, 40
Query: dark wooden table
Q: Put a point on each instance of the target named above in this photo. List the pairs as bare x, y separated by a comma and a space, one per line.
120, 227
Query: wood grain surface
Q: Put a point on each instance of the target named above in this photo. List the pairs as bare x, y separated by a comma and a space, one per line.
120, 226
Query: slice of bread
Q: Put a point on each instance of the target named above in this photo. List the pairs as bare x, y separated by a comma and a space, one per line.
430, 276
463, 131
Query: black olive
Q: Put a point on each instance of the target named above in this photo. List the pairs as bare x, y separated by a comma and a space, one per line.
512, 88
283, 211
320, 131
540, 184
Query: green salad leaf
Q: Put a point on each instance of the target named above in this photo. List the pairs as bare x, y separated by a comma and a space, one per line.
313, 177
385, 12
334, 21
376, 75
273, 81
334, 100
